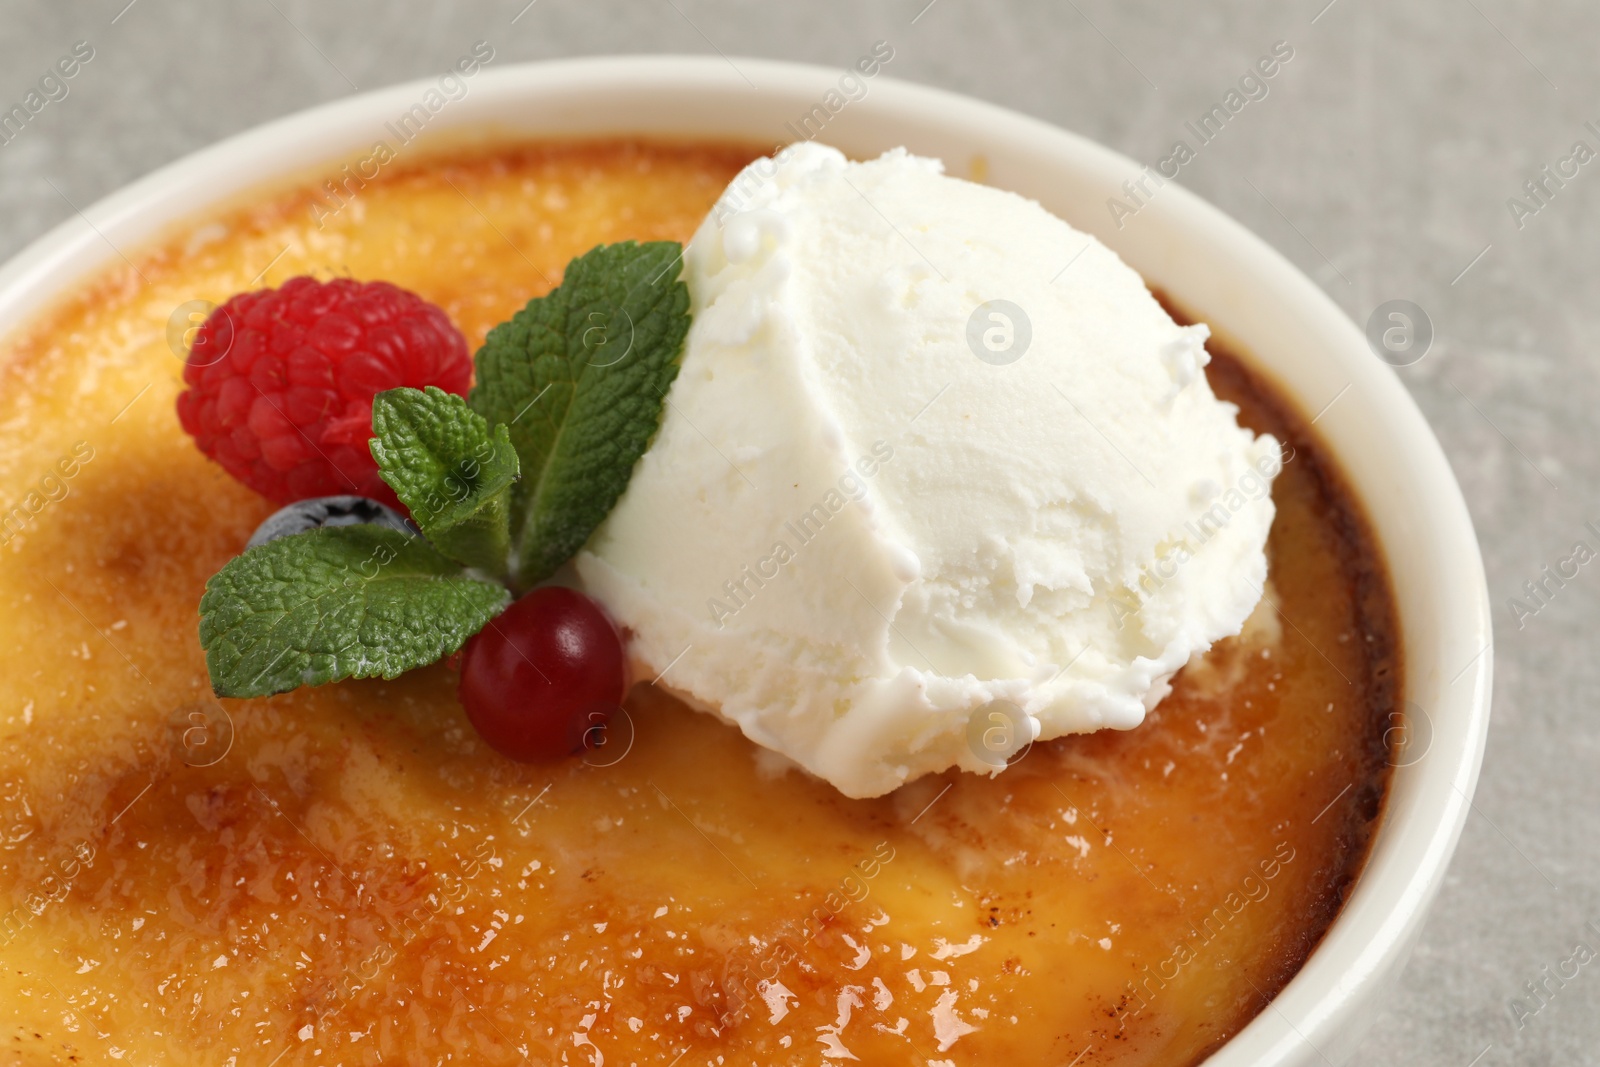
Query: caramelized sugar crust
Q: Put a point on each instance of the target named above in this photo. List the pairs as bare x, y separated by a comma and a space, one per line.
347, 876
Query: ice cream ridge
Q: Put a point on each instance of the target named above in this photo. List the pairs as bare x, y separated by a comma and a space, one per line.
938, 477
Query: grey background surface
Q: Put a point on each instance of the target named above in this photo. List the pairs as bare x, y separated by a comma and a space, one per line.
1381, 163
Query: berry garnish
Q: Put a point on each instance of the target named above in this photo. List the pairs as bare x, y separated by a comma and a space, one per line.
504, 488
281, 382
541, 680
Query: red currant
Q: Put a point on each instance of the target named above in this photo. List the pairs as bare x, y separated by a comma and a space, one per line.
541, 680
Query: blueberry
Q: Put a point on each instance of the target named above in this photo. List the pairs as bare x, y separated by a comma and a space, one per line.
321, 511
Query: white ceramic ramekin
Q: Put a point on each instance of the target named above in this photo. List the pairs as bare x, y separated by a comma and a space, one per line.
1209, 264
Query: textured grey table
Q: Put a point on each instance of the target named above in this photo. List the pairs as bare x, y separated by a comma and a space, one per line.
1381, 162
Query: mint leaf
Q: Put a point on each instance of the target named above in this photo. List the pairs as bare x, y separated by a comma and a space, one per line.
579, 377
439, 457
339, 602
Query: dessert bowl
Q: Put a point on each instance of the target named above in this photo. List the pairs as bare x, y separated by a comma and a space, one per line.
1206, 265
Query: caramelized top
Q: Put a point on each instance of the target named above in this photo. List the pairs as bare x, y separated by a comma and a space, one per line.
347, 875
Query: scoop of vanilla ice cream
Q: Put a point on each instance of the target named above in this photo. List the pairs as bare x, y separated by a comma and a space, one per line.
880, 502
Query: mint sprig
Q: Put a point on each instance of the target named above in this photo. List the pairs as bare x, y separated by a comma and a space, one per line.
340, 602
579, 377
449, 470
507, 486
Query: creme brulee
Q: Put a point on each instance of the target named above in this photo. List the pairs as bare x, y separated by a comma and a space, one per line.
348, 875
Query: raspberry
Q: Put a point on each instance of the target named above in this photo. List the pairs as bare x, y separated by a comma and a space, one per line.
281, 382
